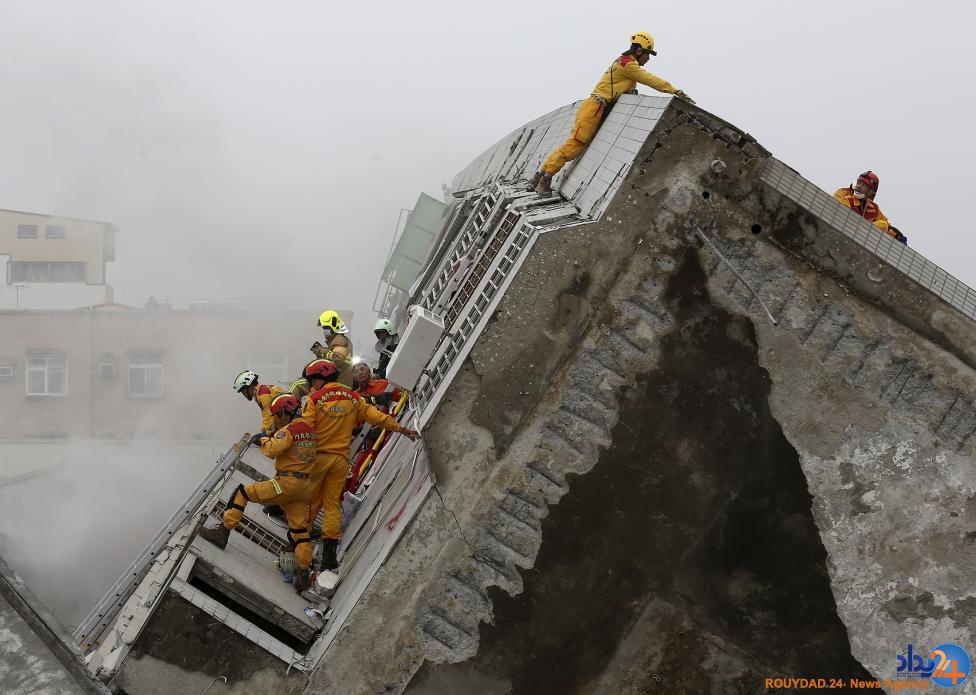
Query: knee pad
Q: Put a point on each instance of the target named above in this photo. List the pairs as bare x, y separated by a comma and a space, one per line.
232, 504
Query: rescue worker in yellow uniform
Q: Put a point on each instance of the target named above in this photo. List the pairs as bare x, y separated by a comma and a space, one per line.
621, 77
338, 346
333, 411
859, 197
247, 385
293, 448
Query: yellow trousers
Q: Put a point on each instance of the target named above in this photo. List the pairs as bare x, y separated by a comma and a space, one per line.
588, 118
292, 495
333, 469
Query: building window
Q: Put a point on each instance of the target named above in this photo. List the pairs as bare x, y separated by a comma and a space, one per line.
54, 231
272, 367
47, 374
6, 373
145, 374
26, 231
48, 271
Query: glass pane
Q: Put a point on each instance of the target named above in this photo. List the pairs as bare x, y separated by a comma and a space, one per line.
35, 382
154, 382
137, 381
56, 381
137, 359
37, 272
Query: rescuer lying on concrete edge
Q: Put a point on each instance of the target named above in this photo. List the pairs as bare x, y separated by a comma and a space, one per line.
293, 449
621, 77
333, 411
859, 197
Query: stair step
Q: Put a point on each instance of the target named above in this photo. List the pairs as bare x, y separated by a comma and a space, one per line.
246, 574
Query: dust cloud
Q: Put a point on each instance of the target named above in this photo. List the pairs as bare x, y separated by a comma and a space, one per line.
263, 152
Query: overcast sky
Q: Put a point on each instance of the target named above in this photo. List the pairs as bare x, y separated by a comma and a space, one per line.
248, 147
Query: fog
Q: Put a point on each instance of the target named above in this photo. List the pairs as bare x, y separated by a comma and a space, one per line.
264, 150
72, 529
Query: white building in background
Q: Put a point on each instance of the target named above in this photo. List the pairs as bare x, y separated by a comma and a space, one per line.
53, 262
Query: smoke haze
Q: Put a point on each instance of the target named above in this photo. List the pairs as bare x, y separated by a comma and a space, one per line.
264, 150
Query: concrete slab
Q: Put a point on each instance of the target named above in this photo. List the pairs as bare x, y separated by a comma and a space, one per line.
246, 573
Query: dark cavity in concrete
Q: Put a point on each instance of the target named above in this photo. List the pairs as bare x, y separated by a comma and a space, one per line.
701, 506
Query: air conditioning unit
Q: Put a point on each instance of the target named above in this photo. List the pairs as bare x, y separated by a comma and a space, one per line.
418, 342
6, 372
107, 370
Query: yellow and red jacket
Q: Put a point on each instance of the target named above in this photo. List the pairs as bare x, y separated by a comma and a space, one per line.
334, 410
263, 397
623, 75
292, 447
866, 208
339, 351
375, 387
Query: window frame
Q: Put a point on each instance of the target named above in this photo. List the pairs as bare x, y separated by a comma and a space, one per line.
145, 367
29, 369
22, 228
49, 228
261, 363
26, 275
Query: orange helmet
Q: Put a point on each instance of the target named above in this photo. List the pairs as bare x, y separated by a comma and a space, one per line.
321, 369
285, 402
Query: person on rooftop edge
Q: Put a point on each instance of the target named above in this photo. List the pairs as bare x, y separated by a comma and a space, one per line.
620, 78
859, 197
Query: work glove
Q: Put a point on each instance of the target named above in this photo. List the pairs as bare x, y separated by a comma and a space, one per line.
256, 438
681, 95
410, 434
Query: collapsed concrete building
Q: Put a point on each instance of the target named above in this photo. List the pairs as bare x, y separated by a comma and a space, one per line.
692, 424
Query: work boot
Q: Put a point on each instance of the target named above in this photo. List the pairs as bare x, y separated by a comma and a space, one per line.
217, 535
534, 181
302, 578
329, 559
544, 187
274, 510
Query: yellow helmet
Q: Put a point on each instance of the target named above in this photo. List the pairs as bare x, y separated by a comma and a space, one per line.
645, 41
330, 319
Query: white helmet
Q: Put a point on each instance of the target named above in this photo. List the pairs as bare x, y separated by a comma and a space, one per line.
385, 325
245, 378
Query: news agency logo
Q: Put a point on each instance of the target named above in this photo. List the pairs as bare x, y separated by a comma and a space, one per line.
947, 665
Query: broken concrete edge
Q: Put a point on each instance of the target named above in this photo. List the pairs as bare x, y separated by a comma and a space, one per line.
864, 274
827, 250
434, 521
186, 649
434, 526
47, 628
